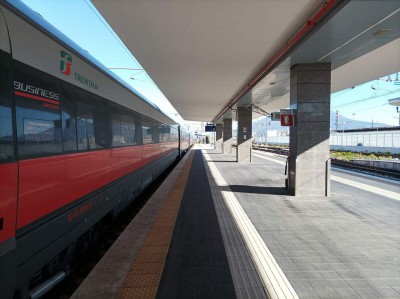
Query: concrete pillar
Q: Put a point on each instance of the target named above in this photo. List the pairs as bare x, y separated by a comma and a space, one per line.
310, 88
218, 136
227, 138
244, 139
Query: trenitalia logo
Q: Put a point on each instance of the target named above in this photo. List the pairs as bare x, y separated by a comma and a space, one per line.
65, 68
65, 63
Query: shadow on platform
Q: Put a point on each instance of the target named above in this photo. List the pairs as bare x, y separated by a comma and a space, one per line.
259, 189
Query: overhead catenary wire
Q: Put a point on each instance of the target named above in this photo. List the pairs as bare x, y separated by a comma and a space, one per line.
112, 33
342, 92
366, 99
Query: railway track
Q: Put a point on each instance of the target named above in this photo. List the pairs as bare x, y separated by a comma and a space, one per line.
387, 173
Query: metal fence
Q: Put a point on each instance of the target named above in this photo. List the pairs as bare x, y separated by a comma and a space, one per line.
372, 141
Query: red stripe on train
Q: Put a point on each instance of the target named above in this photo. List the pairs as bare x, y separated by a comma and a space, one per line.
31, 96
47, 184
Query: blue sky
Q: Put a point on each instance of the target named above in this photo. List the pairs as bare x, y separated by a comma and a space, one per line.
369, 101
80, 21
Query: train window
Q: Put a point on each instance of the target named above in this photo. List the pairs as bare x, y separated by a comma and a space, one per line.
174, 133
6, 127
84, 126
100, 119
68, 118
155, 131
147, 130
115, 121
127, 130
91, 121
38, 128
165, 133
6, 133
37, 112
138, 129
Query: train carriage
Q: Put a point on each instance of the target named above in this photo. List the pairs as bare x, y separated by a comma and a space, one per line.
76, 145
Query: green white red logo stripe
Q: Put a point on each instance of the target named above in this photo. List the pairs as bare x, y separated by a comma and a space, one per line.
65, 63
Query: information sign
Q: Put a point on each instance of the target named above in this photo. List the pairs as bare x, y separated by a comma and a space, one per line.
210, 128
287, 117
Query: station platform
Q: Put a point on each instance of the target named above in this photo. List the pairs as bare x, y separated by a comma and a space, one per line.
221, 229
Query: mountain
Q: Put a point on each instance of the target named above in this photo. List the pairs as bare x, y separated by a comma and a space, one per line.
345, 123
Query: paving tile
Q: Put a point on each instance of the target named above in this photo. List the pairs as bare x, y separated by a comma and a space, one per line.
319, 284
322, 267
303, 275
348, 293
205, 295
327, 294
352, 274
377, 283
347, 259
368, 293
357, 283
388, 273
330, 275
388, 293
308, 295
301, 285
394, 283
390, 266
183, 295
186, 277
337, 283
289, 267
339, 267
397, 289
305, 267
187, 288
253, 293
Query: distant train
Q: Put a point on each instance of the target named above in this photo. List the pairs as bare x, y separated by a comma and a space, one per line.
77, 145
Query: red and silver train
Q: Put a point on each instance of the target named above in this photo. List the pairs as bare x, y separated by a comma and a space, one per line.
77, 145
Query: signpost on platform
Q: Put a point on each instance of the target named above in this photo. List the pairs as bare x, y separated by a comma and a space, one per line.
211, 128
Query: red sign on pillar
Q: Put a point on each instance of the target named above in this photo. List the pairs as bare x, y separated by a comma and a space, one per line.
287, 118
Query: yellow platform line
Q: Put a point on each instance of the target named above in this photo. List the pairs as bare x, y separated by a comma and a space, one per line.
144, 276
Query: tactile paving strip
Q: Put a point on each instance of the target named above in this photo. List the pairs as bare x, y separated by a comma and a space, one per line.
145, 274
275, 282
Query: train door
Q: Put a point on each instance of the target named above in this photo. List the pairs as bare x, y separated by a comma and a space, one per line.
8, 167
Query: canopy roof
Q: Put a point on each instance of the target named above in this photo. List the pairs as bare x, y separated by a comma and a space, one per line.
208, 57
